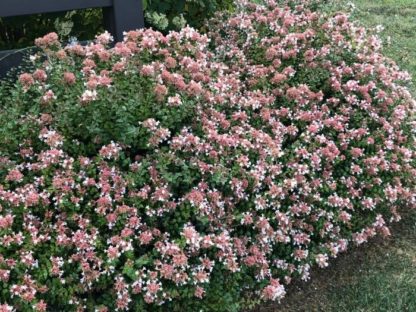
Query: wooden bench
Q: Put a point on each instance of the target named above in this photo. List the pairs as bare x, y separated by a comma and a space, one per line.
119, 16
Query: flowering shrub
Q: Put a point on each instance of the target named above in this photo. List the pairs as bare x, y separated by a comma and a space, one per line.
92, 95
182, 172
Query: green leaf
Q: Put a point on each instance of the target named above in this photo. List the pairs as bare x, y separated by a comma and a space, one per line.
142, 261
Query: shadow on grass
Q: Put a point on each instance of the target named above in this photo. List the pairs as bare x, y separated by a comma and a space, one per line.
378, 276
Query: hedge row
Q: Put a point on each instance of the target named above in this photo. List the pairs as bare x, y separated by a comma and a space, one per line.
189, 172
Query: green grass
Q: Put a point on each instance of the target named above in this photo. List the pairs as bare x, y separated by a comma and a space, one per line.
385, 281
398, 17
379, 276
376, 277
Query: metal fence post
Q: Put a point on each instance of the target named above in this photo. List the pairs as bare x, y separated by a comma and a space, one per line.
124, 15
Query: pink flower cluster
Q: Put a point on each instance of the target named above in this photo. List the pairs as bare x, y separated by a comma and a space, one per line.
301, 143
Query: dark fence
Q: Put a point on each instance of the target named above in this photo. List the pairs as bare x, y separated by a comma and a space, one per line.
119, 16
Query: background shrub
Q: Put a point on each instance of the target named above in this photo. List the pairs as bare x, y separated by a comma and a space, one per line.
262, 148
173, 15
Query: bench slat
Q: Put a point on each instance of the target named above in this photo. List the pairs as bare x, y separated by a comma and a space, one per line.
25, 7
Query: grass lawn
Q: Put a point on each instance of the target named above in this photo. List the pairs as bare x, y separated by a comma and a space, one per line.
379, 276
398, 17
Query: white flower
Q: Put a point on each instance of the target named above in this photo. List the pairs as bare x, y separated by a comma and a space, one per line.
89, 96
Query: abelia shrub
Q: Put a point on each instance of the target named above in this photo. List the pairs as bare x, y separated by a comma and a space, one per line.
93, 95
263, 148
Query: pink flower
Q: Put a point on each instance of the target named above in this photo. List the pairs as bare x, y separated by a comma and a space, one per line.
322, 260
26, 80
196, 197
199, 292
195, 88
48, 41
271, 53
51, 138
278, 78
14, 176
119, 67
146, 237
110, 151
40, 75
147, 71
170, 62
104, 38
160, 91
61, 54
356, 152
174, 100
6, 308
180, 260
274, 291
69, 78
41, 306
4, 275
48, 97
153, 287
89, 96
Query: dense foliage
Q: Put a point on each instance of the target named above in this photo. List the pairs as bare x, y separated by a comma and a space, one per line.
185, 172
173, 14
